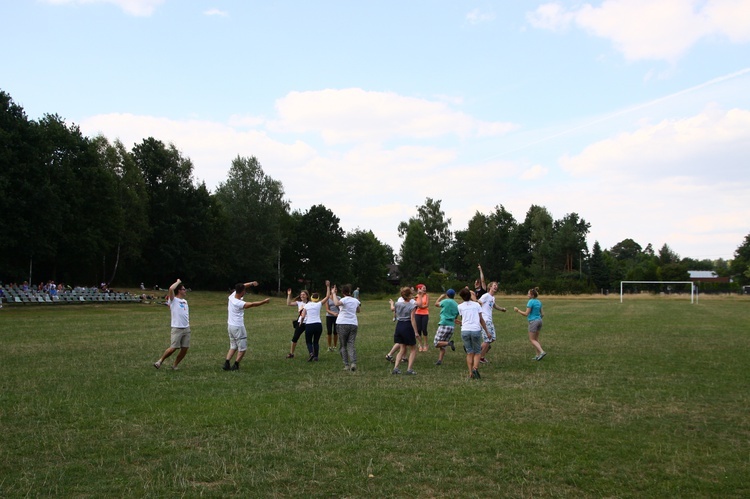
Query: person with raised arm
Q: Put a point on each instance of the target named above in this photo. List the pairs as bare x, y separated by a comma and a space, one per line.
180, 322
236, 323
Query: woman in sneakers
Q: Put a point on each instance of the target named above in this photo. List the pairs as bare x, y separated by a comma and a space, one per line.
347, 325
298, 323
406, 329
310, 315
332, 312
422, 315
534, 314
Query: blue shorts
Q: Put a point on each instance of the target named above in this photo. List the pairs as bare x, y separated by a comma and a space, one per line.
472, 341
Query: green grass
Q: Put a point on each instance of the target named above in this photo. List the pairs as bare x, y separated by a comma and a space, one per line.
648, 398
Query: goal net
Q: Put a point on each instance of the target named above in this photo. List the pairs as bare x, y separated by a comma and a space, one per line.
662, 286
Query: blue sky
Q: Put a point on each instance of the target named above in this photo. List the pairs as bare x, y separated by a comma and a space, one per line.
635, 114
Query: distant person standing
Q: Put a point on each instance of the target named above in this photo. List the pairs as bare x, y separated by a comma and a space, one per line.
534, 313
355, 294
180, 314
422, 316
347, 325
236, 323
332, 312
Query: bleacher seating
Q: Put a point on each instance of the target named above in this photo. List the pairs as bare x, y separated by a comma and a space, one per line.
18, 296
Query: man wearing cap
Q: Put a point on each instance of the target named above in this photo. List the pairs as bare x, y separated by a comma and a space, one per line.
448, 314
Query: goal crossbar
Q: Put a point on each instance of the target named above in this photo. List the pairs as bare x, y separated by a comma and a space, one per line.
692, 286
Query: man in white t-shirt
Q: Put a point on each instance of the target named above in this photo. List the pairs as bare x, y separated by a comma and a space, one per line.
236, 323
487, 301
180, 313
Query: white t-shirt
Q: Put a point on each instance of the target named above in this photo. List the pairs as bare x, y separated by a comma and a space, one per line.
312, 312
178, 307
348, 311
300, 306
488, 302
470, 312
236, 310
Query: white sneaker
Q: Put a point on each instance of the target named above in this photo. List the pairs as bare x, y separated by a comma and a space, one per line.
157, 364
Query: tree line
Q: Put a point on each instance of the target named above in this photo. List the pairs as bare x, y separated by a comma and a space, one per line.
86, 210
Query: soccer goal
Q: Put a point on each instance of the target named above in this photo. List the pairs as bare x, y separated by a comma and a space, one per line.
693, 295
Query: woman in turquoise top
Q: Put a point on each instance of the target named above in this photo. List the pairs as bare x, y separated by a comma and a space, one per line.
534, 314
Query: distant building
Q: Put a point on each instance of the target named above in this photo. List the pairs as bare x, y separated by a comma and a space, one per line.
706, 276
394, 274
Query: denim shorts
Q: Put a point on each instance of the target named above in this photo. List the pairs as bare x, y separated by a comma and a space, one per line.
472, 341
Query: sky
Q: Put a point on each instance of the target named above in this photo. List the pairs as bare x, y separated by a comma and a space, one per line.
634, 114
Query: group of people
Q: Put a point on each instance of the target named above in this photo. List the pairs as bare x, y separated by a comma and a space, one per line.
341, 310
410, 313
341, 322
473, 314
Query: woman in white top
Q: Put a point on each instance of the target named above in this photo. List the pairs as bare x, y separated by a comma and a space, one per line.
298, 323
347, 325
310, 315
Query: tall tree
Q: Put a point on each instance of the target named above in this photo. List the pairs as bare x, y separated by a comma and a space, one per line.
321, 247
369, 259
599, 270
476, 238
169, 181
254, 204
81, 192
436, 228
21, 179
501, 242
417, 258
127, 213
740, 266
569, 241
538, 227
667, 256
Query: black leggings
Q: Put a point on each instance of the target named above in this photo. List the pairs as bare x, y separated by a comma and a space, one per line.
331, 325
312, 337
422, 321
298, 332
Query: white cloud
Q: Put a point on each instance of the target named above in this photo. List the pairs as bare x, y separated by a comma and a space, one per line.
353, 114
550, 16
682, 182
141, 8
651, 29
534, 173
700, 146
476, 16
216, 12
211, 146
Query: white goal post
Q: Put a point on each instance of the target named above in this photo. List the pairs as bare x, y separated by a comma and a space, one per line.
692, 286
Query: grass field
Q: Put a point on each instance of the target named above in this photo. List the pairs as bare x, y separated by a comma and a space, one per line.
648, 398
